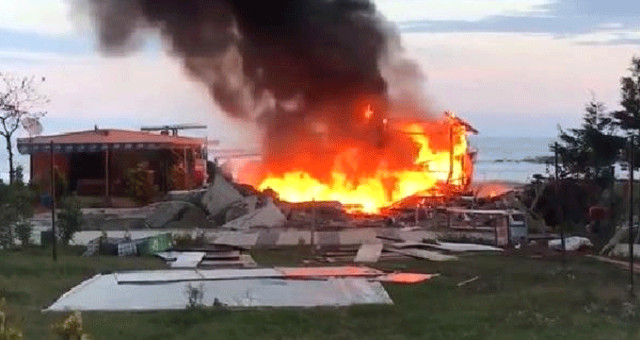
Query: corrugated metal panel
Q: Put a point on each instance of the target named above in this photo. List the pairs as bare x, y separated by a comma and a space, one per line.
103, 293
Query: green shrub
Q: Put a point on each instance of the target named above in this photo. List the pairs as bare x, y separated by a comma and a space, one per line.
16, 204
69, 218
6, 332
140, 185
24, 229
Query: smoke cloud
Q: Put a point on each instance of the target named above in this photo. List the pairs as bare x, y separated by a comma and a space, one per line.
305, 69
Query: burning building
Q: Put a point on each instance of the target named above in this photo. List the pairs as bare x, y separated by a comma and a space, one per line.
340, 106
412, 157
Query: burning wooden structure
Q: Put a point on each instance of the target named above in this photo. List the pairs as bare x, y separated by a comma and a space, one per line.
405, 158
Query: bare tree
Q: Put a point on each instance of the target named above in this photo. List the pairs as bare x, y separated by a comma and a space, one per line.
20, 101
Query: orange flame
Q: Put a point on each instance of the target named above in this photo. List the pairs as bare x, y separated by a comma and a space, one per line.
417, 157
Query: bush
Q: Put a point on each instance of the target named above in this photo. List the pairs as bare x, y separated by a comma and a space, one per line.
140, 185
69, 218
6, 332
16, 204
182, 240
71, 328
24, 229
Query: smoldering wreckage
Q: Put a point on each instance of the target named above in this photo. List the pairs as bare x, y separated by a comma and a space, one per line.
354, 165
230, 219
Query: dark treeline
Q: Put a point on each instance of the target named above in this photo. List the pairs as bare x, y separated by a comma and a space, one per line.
586, 159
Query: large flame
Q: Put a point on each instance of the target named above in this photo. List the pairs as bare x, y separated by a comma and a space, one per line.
414, 157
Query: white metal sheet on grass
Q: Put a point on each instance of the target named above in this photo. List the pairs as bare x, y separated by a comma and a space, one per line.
423, 254
103, 293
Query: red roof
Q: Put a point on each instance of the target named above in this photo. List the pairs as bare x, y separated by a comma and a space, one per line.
107, 137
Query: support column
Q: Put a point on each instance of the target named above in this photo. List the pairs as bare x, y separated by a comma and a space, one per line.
107, 176
54, 241
186, 169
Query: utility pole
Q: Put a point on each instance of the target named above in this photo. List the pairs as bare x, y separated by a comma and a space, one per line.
313, 226
631, 163
557, 192
54, 250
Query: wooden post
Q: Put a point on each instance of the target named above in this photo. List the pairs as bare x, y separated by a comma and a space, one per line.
557, 191
186, 169
54, 250
450, 156
313, 226
631, 163
106, 175
31, 167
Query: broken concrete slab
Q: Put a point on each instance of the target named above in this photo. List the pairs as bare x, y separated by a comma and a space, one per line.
103, 293
220, 195
369, 253
267, 216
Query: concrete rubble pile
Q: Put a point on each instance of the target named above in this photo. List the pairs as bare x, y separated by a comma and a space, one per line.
238, 212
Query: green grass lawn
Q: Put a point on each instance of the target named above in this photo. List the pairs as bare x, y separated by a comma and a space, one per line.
515, 298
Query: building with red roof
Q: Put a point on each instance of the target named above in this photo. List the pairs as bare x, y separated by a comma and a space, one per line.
96, 162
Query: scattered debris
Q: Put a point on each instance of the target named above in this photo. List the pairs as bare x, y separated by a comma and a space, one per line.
369, 252
462, 247
242, 261
208, 256
572, 243
191, 196
466, 282
220, 195
187, 259
267, 216
622, 250
245, 206
176, 214
621, 234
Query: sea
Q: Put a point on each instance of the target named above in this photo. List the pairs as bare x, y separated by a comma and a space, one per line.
508, 159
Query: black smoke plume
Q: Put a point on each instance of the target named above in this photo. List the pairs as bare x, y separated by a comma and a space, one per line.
301, 67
